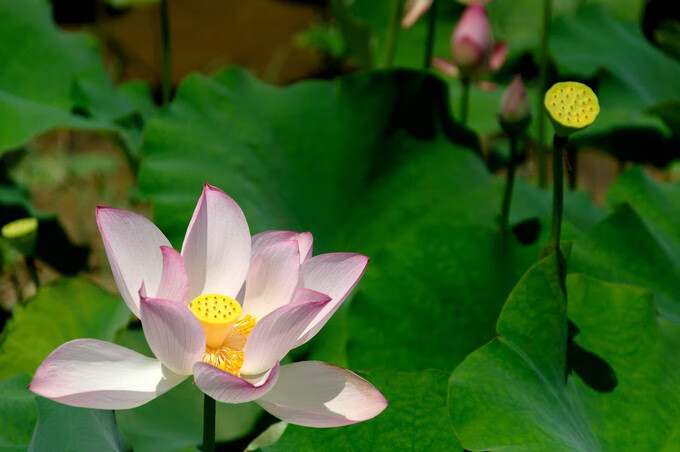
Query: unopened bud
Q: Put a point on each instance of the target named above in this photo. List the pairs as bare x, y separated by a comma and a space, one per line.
515, 112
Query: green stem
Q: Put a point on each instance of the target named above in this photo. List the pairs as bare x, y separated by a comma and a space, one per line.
507, 196
208, 424
393, 32
33, 270
542, 87
165, 37
431, 28
465, 100
559, 144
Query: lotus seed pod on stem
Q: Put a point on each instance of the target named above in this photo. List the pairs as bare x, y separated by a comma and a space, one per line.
571, 107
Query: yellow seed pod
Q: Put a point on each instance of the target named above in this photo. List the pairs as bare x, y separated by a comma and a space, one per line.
571, 106
21, 234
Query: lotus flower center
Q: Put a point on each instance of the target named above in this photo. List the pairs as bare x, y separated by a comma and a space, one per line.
225, 331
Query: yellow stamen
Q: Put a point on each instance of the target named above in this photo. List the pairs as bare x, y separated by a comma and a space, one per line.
226, 358
216, 313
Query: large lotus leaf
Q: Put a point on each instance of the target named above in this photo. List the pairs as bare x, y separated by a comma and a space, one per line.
61, 311
511, 394
68, 429
416, 419
174, 421
52, 78
657, 204
18, 413
622, 248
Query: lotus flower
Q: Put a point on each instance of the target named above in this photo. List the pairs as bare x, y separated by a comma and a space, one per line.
472, 48
226, 310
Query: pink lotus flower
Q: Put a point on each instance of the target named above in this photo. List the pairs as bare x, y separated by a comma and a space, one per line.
472, 48
226, 310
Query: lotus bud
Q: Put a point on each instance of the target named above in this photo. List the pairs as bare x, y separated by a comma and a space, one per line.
571, 107
515, 113
472, 45
21, 234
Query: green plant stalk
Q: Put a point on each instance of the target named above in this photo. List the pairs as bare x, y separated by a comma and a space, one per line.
431, 29
509, 184
165, 38
208, 424
542, 87
393, 32
464, 100
559, 145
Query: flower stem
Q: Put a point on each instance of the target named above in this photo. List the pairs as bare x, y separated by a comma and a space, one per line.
208, 424
542, 86
507, 196
431, 28
165, 37
507, 261
559, 144
393, 31
464, 100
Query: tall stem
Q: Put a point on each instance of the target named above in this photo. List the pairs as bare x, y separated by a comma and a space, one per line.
465, 100
507, 196
165, 38
393, 32
431, 28
559, 145
542, 86
208, 424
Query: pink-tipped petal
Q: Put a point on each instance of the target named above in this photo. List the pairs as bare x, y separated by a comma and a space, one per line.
446, 67
334, 274
268, 238
316, 394
413, 11
273, 277
277, 333
498, 55
133, 246
303, 295
174, 283
174, 334
227, 388
216, 247
90, 373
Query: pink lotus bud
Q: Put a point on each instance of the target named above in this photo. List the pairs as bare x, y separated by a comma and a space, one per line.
471, 40
472, 45
515, 112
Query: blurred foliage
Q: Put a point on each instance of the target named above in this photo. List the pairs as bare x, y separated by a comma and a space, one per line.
56, 80
373, 162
